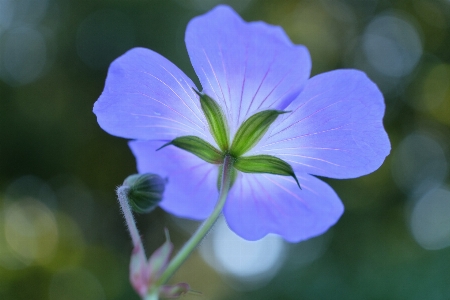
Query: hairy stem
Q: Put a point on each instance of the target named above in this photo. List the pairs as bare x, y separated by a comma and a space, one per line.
122, 194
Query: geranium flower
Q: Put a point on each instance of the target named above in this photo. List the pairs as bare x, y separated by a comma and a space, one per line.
331, 125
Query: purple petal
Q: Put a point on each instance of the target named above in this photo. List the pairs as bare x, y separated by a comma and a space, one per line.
259, 204
148, 97
246, 67
335, 128
191, 190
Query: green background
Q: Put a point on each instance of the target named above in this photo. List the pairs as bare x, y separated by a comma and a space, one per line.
61, 232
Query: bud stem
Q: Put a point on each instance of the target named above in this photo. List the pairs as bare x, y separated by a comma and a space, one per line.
122, 193
201, 232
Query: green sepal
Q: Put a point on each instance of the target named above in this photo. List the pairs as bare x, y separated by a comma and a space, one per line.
265, 164
252, 130
216, 120
158, 261
198, 147
233, 177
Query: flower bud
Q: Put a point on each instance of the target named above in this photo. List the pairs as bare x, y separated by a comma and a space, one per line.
145, 191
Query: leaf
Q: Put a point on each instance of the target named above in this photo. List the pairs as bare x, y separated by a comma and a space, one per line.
252, 130
198, 147
265, 164
216, 120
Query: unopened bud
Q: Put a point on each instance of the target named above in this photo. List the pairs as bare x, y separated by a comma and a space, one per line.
145, 191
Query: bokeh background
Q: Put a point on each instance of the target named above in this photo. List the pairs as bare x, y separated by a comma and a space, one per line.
61, 232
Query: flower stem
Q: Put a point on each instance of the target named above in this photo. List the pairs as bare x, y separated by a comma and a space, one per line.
201, 232
152, 296
122, 192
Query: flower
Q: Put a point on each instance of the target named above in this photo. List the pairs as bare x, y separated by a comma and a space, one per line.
332, 125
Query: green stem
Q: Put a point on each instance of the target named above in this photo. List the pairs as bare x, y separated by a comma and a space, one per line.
152, 296
201, 232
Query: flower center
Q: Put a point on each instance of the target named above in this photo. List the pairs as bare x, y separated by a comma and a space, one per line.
248, 135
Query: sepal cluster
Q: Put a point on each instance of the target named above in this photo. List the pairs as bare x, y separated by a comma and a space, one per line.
247, 136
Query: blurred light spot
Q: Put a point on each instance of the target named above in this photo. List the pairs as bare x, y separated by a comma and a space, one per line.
430, 220
435, 87
309, 24
431, 92
103, 36
75, 284
8, 259
433, 12
71, 245
306, 252
392, 45
6, 14
365, 8
29, 11
205, 5
419, 164
252, 263
339, 10
31, 231
186, 225
30, 186
23, 55
108, 268
76, 200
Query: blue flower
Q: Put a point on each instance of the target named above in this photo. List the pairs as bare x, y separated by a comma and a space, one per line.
333, 125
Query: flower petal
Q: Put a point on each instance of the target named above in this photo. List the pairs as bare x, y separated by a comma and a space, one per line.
191, 190
259, 204
246, 67
335, 128
148, 97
